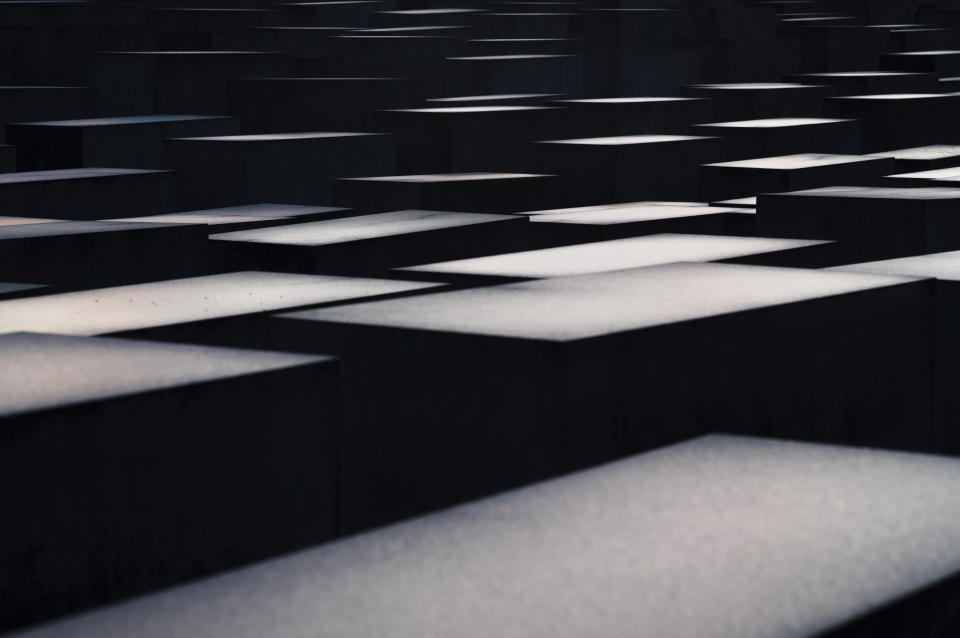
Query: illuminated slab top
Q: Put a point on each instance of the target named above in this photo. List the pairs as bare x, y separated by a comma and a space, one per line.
347, 229
580, 307
126, 120
626, 213
629, 140
164, 303
44, 371
602, 256
71, 173
776, 122
932, 152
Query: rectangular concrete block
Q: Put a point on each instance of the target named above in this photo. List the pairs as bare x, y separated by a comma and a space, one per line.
224, 309
554, 374
770, 137
137, 465
924, 158
621, 254
745, 178
819, 543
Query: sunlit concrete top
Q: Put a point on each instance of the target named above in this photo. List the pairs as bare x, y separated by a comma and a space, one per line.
719, 537
164, 303
651, 204
493, 58
59, 229
628, 140
936, 265
196, 53
634, 252
521, 39
892, 96
879, 192
627, 214
324, 79
932, 152
449, 27
347, 229
71, 173
797, 161
927, 53
119, 121
443, 177
632, 100
949, 174
44, 371
531, 13
418, 12
776, 122
492, 97
14, 221
328, 2
752, 86
237, 214
585, 306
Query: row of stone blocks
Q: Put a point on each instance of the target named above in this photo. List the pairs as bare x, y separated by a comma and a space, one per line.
443, 397
303, 168
715, 536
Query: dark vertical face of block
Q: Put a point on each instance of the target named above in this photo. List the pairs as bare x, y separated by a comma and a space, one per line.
185, 302
728, 180
371, 243
770, 137
834, 515
83, 254
86, 193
